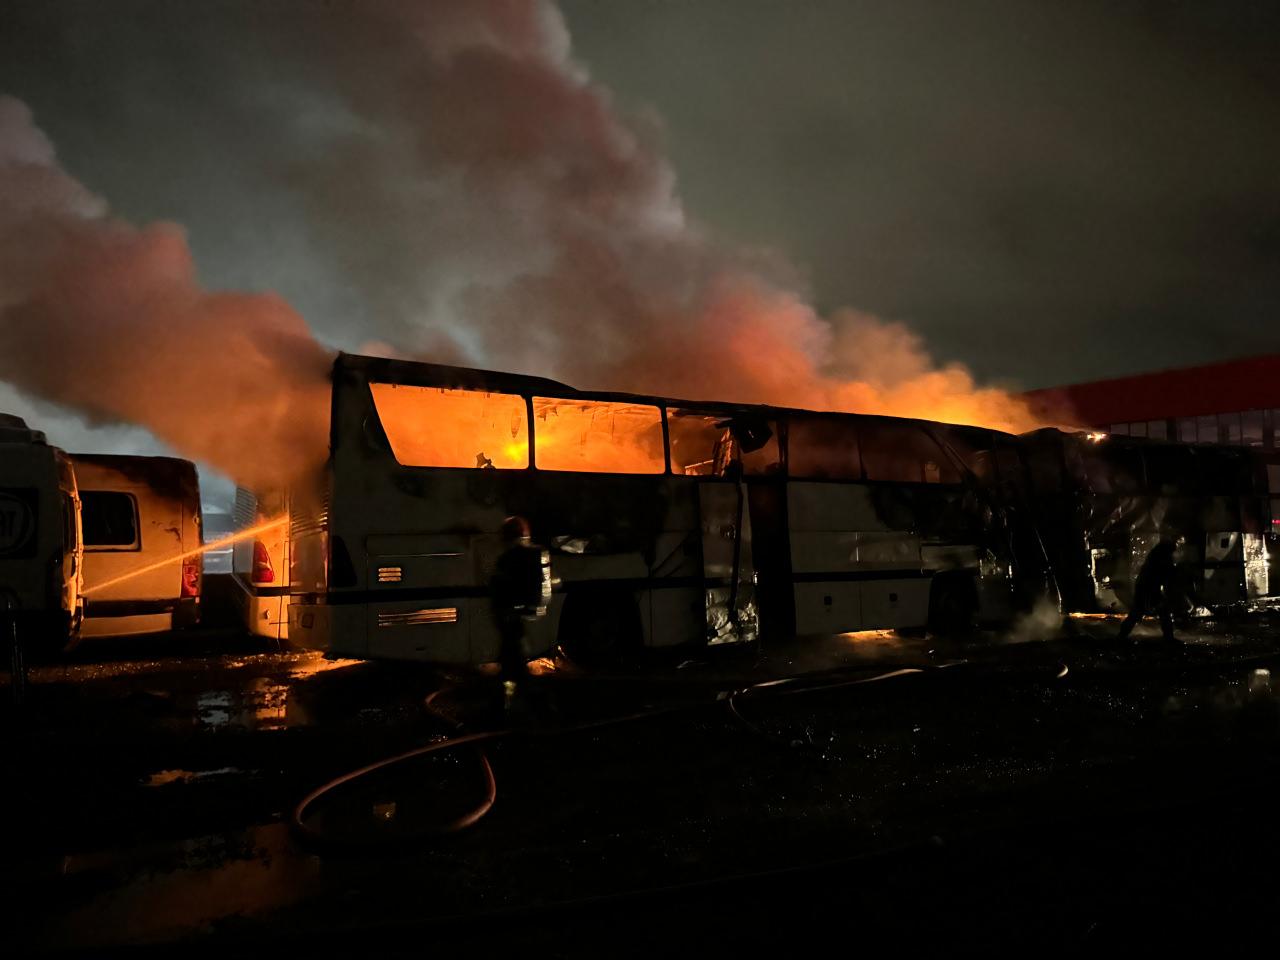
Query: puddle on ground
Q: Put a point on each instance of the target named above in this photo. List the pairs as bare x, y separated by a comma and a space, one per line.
265, 703
210, 880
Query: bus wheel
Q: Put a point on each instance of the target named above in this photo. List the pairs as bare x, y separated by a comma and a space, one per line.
953, 605
601, 631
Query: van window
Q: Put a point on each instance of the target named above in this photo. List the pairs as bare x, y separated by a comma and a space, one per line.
901, 451
439, 427
109, 519
822, 449
594, 436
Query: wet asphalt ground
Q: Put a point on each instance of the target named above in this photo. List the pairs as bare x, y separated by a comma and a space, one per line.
1031, 788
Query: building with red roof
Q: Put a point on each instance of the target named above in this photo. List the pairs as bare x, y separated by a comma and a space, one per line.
1235, 402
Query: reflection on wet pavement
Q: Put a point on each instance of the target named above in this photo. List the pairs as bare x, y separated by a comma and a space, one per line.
175, 891
162, 778
194, 765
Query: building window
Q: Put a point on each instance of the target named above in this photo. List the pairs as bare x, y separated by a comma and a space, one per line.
1158, 429
1229, 428
1207, 429
1187, 430
1251, 428
1137, 429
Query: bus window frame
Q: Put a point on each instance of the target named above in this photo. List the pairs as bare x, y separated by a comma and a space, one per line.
852, 421
589, 398
528, 398
385, 443
779, 418
945, 461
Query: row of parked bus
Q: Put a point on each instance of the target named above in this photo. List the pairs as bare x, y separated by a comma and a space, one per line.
675, 522
670, 522
106, 545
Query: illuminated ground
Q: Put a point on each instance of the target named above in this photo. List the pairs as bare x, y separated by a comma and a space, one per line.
1010, 790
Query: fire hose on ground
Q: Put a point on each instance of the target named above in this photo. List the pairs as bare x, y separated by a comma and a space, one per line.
772, 688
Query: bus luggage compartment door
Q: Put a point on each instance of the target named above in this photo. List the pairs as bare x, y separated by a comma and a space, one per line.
424, 594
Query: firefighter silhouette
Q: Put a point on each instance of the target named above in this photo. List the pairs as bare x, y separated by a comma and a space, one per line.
520, 591
1155, 588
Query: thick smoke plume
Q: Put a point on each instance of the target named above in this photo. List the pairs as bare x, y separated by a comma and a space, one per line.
626, 292
110, 320
548, 226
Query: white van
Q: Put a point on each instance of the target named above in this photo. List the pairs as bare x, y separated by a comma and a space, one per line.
140, 516
260, 565
40, 550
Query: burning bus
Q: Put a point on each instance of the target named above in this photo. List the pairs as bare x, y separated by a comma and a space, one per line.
1102, 502
670, 522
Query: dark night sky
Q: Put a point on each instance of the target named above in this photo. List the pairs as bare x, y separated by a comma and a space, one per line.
1048, 192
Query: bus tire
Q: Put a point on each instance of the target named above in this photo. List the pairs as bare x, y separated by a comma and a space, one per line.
953, 605
601, 629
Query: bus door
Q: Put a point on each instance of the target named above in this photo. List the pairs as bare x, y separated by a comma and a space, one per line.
707, 447
727, 570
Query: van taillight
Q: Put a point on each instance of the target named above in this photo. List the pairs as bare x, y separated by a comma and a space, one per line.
191, 577
262, 572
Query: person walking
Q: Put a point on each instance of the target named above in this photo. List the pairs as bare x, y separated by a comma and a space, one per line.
1153, 591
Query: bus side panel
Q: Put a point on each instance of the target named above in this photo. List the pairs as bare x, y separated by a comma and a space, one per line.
435, 630
677, 615
896, 603
845, 552
313, 626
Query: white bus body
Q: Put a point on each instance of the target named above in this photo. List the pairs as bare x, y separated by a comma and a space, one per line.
137, 511
41, 555
669, 522
260, 565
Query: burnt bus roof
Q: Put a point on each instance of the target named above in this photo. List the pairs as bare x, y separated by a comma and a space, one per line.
423, 374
